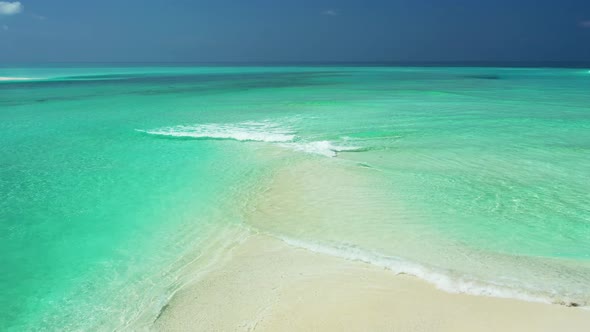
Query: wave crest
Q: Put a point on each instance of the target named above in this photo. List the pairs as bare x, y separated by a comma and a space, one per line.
9, 79
244, 131
262, 131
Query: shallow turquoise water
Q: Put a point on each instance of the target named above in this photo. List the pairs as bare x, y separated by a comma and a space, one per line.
110, 175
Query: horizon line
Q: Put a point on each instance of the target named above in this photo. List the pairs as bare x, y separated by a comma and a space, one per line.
427, 63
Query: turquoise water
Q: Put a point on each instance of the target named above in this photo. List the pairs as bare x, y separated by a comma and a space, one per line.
112, 177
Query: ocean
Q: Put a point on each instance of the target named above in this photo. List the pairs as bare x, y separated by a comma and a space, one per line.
116, 180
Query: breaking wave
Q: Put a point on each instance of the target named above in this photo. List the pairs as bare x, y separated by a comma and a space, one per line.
253, 131
264, 131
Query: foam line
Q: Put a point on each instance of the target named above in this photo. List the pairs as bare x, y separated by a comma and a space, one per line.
439, 278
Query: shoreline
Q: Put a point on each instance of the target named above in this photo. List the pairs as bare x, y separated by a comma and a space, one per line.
264, 281
275, 279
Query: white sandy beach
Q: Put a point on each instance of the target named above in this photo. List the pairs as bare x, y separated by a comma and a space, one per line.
267, 285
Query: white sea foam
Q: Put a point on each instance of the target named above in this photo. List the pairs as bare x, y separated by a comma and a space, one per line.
8, 79
264, 131
324, 148
441, 279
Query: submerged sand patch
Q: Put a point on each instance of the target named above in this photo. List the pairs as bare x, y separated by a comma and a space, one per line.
269, 283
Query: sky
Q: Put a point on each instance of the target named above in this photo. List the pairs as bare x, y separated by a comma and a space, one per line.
293, 30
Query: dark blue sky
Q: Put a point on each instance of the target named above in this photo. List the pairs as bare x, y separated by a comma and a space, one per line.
302, 30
